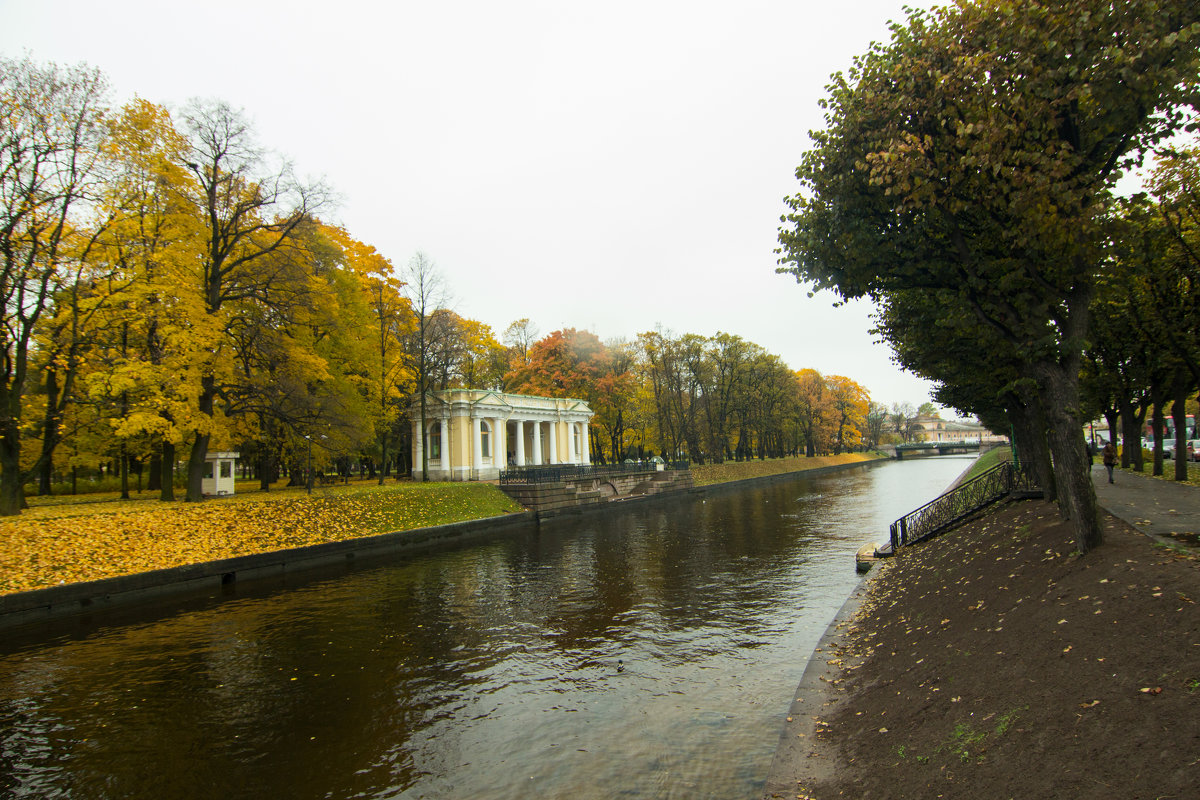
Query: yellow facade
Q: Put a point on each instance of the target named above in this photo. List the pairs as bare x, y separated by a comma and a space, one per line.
474, 434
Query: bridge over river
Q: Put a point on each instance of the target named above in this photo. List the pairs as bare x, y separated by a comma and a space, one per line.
918, 449
648, 651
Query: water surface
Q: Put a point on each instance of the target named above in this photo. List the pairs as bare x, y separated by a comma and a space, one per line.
647, 652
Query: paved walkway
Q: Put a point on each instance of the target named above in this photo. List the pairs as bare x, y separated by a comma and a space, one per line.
1154, 506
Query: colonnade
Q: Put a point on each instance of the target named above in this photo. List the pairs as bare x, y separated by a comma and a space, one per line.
474, 435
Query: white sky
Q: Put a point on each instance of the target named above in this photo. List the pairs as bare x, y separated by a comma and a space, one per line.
609, 166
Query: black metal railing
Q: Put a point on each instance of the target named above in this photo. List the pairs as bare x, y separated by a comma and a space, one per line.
547, 473
962, 501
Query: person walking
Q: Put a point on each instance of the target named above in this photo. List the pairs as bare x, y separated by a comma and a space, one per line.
1110, 459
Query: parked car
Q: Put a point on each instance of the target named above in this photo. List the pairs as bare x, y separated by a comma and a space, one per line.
1168, 450
1193, 450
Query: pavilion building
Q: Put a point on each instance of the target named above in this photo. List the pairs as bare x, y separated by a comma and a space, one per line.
474, 434
932, 428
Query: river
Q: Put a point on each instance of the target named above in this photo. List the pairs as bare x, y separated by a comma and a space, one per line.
650, 652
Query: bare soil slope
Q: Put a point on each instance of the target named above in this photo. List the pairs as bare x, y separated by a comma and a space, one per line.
995, 662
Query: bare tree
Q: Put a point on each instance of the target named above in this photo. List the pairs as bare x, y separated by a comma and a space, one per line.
426, 292
519, 336
904, 420
49, 164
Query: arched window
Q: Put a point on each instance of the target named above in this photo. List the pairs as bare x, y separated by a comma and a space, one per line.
485, 439
435, 440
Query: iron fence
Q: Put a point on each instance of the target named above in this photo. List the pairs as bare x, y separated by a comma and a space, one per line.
960, 502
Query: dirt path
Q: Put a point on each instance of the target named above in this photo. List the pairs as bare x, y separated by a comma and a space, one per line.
995, 663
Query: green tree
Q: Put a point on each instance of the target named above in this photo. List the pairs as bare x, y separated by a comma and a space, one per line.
1176, 188
974, 154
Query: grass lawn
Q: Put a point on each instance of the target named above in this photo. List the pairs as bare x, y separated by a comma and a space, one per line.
988, 460
81, 538
1193, 470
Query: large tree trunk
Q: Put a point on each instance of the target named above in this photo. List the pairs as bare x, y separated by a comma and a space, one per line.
1179, 415
1131, 433
1077, 495
264, 469
45, 478
11, 499
168, 472
50, 434
1158, 427
195, 469
123, 459
195, 466
154, 479
1029, 430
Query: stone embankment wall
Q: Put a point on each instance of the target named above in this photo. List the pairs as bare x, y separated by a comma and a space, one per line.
556, 497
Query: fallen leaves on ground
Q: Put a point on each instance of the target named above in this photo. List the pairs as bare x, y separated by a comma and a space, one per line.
56, 543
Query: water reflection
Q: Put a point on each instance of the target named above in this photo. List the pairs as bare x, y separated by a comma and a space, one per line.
645, 653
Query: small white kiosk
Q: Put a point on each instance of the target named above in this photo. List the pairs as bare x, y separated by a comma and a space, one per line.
218, 474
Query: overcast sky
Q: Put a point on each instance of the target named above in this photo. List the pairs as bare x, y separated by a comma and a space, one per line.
613, 166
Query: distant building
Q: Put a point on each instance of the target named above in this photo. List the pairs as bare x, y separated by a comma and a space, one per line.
935, 429
474, 434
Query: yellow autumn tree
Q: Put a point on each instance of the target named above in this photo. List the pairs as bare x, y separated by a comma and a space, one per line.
850, 402
151, 330
390, 322
814, 411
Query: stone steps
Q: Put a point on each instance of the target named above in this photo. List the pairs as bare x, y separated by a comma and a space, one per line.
575, 493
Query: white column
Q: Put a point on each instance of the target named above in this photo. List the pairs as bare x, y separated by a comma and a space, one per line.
499, 445
444, 454
476, 445
587, 450
573, 455
418, 445
553, 442
520, 443
537, 442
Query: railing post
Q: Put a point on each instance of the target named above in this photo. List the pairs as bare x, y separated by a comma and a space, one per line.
904, 531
